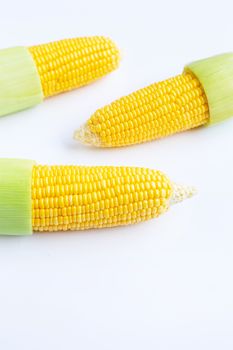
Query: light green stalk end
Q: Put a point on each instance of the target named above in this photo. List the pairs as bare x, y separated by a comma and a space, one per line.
216, 76
15, 197
20, 85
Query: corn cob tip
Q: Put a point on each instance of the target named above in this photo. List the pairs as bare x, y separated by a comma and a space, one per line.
181, 192
86, 136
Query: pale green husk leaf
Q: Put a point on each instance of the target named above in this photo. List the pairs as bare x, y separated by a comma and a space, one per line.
15, 197
216, 76
20, 85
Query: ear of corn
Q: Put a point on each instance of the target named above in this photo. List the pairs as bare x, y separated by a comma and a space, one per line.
30, 74
67, 64
61, 198
151, 113
77, 198
201, 95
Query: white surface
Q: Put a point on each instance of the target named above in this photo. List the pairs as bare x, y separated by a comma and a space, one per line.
164, 284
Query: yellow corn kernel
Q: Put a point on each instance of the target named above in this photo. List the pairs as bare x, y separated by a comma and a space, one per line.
75, 197
159, 110
67, 64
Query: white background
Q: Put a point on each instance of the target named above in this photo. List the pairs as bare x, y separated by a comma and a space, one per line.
164, 284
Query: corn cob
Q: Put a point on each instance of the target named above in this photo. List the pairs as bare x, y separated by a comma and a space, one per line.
28, 75
61, 198
201, 95
68, 64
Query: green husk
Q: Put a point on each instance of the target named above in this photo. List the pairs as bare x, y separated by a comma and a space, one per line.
20, 85
216, 76
15, 197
